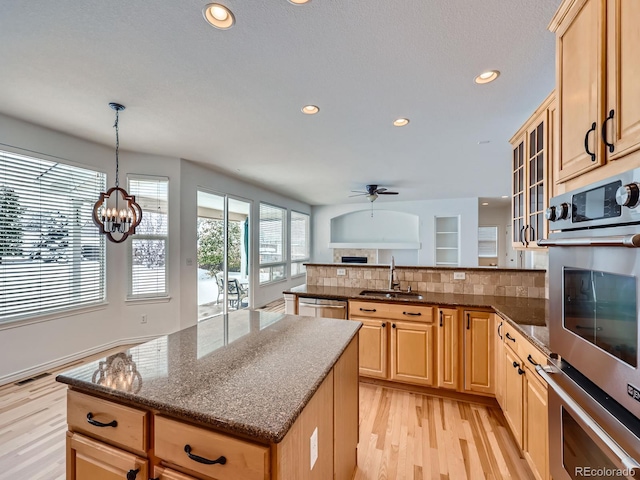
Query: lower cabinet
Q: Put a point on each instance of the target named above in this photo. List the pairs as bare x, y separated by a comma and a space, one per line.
412, 353
447, 319
478, 352
373, 348
88, 459
160, 473
536, 438
513, 394
500, 362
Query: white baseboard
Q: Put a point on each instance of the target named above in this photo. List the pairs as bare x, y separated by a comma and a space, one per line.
44, 367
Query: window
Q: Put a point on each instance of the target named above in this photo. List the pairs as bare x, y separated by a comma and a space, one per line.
52, 256
272, 244
148, 258
487, 242
300, 249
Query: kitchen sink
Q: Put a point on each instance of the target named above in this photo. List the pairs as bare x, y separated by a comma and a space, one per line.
388, 294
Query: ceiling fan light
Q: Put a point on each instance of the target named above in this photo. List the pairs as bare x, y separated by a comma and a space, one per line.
372, 197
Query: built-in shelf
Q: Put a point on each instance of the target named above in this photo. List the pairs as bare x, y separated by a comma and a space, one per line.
378, 245
447, 246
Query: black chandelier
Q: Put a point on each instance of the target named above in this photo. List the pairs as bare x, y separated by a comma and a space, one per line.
116, 213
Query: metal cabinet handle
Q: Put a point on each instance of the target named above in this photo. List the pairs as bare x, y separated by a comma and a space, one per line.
220, 460
611, 146
532, 236
586, 142
520, 371
372, 310
384, 325
522, 235
516, 364
468, 321
393, 325
628, 461
412, 314
132, 474
440, 317
525, 242
630, 241
499, 327
96, 423
532, 361
509, 337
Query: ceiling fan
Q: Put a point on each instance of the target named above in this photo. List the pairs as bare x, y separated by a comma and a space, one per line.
372, 192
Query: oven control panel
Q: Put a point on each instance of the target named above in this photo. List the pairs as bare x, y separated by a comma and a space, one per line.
609, 202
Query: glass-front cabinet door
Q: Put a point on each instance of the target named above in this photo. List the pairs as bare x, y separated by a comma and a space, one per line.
517, 199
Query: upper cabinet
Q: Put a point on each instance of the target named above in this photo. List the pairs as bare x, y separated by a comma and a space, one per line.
532, 149
598, 42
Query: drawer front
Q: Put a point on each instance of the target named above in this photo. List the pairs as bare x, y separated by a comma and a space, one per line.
368, 310
416, 313
160, 473
523, 347
244, 460
131, 427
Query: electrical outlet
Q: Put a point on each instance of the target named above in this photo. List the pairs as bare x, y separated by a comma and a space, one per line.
342, 271
189, 262
459, 275
313, 447
143, 319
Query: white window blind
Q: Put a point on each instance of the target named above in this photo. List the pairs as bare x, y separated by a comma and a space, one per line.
52, 256
487, 241
300, 243
272, 243
148, 275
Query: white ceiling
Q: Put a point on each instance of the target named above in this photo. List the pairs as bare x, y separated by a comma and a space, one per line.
232, 98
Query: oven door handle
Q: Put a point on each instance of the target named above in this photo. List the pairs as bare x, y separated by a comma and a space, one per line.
630, 241
545, 372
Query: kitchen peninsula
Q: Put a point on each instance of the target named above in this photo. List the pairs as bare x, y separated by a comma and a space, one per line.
252, 395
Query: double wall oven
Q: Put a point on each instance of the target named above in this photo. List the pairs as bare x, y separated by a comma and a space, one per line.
594, 287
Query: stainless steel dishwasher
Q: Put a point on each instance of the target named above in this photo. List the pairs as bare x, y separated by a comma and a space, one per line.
322, 307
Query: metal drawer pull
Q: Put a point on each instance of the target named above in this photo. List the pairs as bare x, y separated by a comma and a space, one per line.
630, 241
627, 461
516, 364
412, 314
499, 327
132, 474
96, 423
586, 142
440, 317
611, 146
384, 325
393, 325
368, 310
520, 371
532, 361
220, 460
468, 321
509, 337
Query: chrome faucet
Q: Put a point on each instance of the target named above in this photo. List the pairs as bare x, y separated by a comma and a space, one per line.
393, 282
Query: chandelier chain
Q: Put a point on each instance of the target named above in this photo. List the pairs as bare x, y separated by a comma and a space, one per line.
115, 125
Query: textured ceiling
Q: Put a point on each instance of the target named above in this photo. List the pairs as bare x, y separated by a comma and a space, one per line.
232, 98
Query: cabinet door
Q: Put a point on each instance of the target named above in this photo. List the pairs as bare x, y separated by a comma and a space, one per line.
500, 362
536, 443
373, 348
623, 71
89, 459
537, 172
478, 352
412, 353
447, 348
518, 179
513, 394
581, 81
160, 473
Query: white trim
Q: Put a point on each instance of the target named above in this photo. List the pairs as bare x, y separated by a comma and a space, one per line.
378, 245
146, 300
44, 367
8, 324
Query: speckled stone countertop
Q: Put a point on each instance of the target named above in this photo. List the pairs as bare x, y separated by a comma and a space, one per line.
250, 373
528, 315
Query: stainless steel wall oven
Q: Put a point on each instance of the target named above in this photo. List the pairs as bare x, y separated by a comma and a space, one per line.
594, 286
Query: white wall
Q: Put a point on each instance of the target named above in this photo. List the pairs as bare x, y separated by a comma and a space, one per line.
29, 345
500, 217
426, 210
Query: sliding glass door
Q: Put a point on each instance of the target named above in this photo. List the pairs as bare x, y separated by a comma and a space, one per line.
224, 263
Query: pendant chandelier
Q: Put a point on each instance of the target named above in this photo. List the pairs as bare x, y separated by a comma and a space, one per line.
116, 213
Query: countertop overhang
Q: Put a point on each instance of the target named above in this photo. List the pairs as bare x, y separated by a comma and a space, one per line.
249, 373
530, 316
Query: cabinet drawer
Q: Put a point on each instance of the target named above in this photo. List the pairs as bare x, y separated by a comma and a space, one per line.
522, 347
368, 309
125, 426
244, 460
416, 313
160, 473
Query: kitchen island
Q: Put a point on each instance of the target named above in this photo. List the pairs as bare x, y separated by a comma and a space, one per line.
252, 395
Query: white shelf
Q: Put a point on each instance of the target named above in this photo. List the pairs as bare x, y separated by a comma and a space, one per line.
439, 233
378, 245
446, 248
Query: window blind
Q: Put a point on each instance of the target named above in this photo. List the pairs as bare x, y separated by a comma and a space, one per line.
487, 241
148, 274
272, 222
299, 236
52, 256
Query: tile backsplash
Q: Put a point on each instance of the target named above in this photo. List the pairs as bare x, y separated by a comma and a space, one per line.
512, 283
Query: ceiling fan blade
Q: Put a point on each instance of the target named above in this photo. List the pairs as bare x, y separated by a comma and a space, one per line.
359, 194
380, 190
387, 193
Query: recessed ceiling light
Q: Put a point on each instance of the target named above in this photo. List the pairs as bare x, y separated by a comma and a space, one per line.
488, 76
485, 203
299, 2
218, 16
401, 122
310, 109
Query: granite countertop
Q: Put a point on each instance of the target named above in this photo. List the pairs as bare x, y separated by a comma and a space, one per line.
530, 316
249, 373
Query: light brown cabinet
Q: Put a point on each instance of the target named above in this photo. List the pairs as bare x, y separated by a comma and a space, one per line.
536, 439
531, 170
513, 394
412, 353
500, 360
478, 352
598, 92
160, 473
373, 348
448, 348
